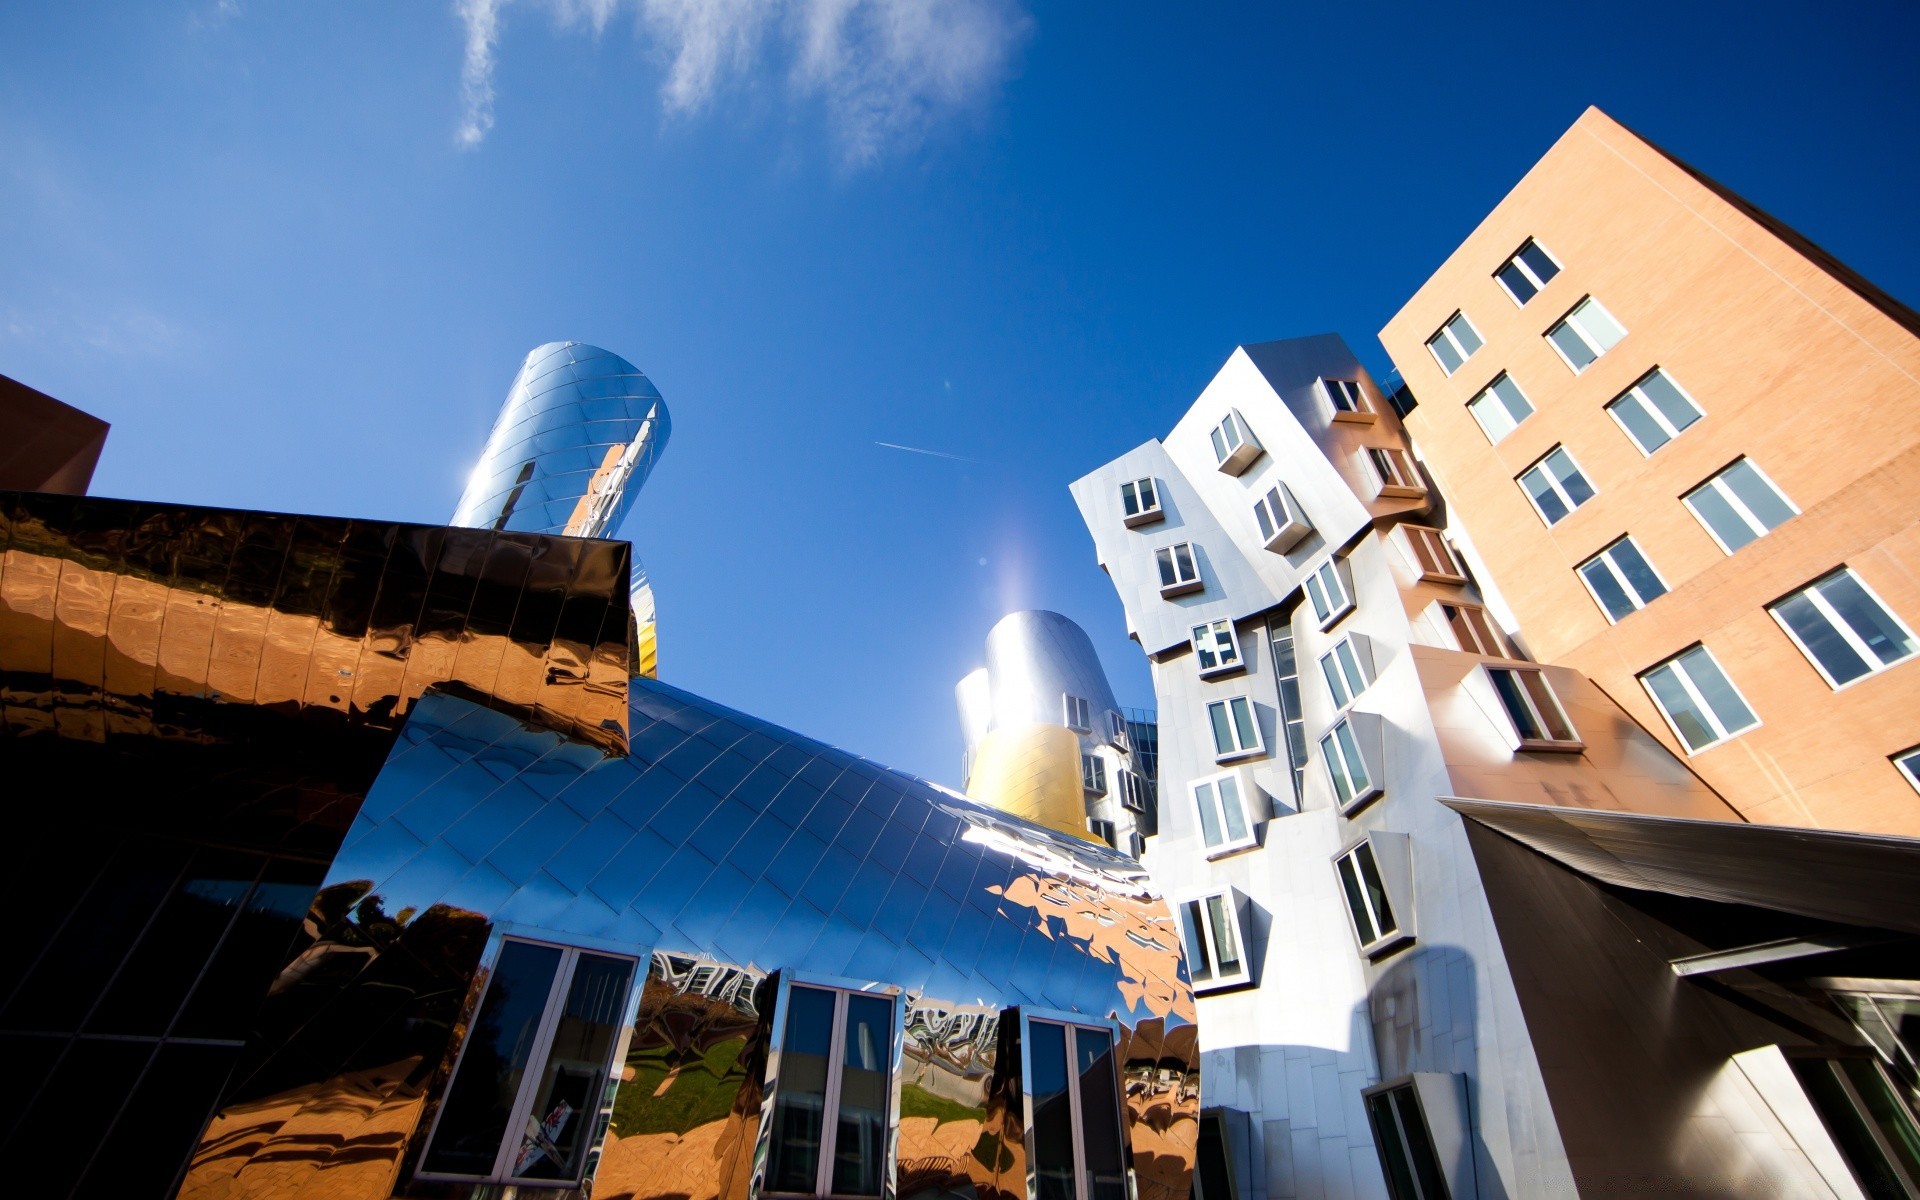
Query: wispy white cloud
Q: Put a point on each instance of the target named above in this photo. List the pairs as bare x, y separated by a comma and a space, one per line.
885, 71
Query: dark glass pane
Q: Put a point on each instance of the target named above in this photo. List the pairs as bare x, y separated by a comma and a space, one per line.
1687, 717
1226, 949
1128, 500
573, 1081
1165, 559
1638, 571
1841, 661
1849, 1127
156, 1132
1538, 262
1640, 423
1443, 350
1863, 614
1757, 494
175, 948
1222, 728
254, 952
1551, 506
1516, 705
1376, 891
1885, 1109
1350, 884
800, 1106
1676, 408
1571, 345
1184, 554
1146, 494
1266, 522
860, 1134
1210, 1174
1572, 482
1464, 334
1517, 283
87, 1089
1199, 964
1426, 1164
480, 1099
1100, 1114
1733, 529
1209, 814
1393, 1154
1612, 596
1052, 1111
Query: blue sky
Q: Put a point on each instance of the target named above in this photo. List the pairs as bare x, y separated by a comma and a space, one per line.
295, 252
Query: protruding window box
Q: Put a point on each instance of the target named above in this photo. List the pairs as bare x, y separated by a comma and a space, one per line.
1353, 751
1347, 401
1234, 446
1376, 881
1140, 503
1179, 570
1212, 926
1216, 649
1535, 716
1282, 522
1395, 474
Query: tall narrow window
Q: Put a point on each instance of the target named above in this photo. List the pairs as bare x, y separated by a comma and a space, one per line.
1179, 574
1282, 523
1224, 824
1236, 730
1842, 628
1584, 334
1739, 505
1134, 791
1234, 446
1348, 668
1354, 773
1367, 903
1621, 579
1500, 407
1472, 630
1211, 927
1654, 411
1076, 713
1435, 557
1454, 343
1093, 774
1292, 720
1073, 1098
1412, 1166
1555, 485
1330, 591
1215, 648
1527, 272
830, 1098
1697, 699
1139, 502
526, 1093
1346, 399
1534, 710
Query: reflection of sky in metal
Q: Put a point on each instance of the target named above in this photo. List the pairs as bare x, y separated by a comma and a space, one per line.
1034, 658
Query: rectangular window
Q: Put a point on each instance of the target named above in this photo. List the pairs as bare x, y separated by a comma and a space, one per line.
1739, 505
1584, 334
1527, 272
1134, 792
1076, 713
1216, 650
1116, 729
1621, 579
1366, 895
1093, 774
1330, 591
1430, 550
1211, 927
1136, 845
1140, 502
1394, 472
1282, 523
1697, 699
1410, 1163
1354, 777
1472, 630
1843, 628
1236, 731
1869, 1115
1073, 1098
1654, 411
525, 1095
1533, 708
1908, 764
1555, 485
830, 1103
1178, 572
1455, 343
1223, 815
1500, 407
1347, 400
1103, 831
1348, 668
1292, 720
1233, 443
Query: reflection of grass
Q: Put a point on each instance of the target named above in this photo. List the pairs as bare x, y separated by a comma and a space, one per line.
916, 1101
703, 1091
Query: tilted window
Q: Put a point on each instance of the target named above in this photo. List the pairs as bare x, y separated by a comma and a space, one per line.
1413, 1167
1135, 792
1330, 591
1179, 573
1654, 411
525, 1095
1116, 729
1394, 473
1472, 630
1529, 270
1538, 719
1076, 713
1352, 753
1907, 762
1843, 628
1500, 407
1621, 579
1430, 550
1236, 728
1555, 485
1584, 334
1093, 774
1216, 650
1348, 668
1216, 954
1103, 830
1293, 721
1697, 699
1739, 505
1074, 1133
832, 1087
1346, 399
1140, 502
1282, 521
1454, 343
1234, 447
1368, 886
1225, 824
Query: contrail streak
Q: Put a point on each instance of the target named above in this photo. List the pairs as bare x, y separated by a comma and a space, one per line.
918, 450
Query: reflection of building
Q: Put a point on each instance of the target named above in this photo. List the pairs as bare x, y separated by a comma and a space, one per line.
577, 437
1711, 429
363, 869
1457, 924
1045, 738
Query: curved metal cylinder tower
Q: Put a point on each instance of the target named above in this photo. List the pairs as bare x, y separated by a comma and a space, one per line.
576, 439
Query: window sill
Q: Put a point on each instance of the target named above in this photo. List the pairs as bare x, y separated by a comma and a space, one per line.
1288, 536
1376, 951
1234, 756
1554, 747
1361, 801
1149, 517
1221, 672
1336, 617
1220, 852
1356, 418
1395, 491
1241, 458
1171, 590
1436, 577
1202, 986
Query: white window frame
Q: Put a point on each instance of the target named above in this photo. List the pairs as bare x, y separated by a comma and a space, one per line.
1847, 632
1725, 491
1605, 558
1214, 909
1489, 400
1554, 485
843, 990
1348, 669
1907, 762
1233, 444
1231, 707
1281, 520
1497, 644
1672, 663
1453, 341
1356, 408
1638, 394
1364, 739
1542, 708
1074, 1023
1207, 639
1395, 475
1206, 791
1134, 792
1385, 937
1539, 284
1076, 713
1093, 774
1147, 513
1116, 729
1329, 590
1571, 321
1181, 585
1446, 568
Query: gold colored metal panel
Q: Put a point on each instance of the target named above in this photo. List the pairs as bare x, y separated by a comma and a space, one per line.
1032, 772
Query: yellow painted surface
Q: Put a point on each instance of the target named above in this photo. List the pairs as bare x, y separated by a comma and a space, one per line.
1033, 772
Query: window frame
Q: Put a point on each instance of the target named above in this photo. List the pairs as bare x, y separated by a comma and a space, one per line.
1603, 556
1907, 762
1725, 492
1362, 412
1541, 718
1464, 607
1453, 341
1228, 843
1093, 774
1073, 1022
843, 988
1314, 583
1147, 514
1449, 568
1076, 712
1180, 586
1554, 485
1339, 679
1396, 476
538, 1056
1240, 748
1135, 792
1673, 662
1232, 901
1364, 734
1539, 284
1385, 938
1220, 666
1289, 522
1846, 632
1487, 396
1639, 395
1426, 1172
1568, 321
1236, 458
